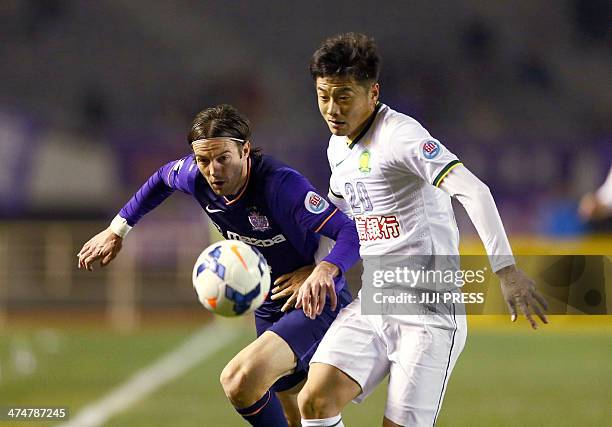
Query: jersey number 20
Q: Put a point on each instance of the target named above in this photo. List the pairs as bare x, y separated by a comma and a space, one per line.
358, 197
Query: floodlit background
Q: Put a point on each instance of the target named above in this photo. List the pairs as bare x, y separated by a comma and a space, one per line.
95, 96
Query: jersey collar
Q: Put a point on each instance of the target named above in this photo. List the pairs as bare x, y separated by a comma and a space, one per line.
366, 128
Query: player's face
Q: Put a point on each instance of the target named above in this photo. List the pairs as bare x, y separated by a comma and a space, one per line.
346, 104
223, 164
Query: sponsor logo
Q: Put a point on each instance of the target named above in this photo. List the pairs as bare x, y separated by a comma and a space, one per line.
430, 149
364, 162
211, 210
315, 203
373, 228
258, 221
262, 243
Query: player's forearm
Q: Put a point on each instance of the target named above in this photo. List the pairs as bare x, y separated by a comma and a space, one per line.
330, 268
478, 202
345, 252
147, 198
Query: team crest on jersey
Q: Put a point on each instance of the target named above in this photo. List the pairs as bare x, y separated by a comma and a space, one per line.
258, 221
315, 203
430, 149
364, 162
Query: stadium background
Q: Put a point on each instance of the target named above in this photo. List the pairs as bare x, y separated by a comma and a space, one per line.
96, 95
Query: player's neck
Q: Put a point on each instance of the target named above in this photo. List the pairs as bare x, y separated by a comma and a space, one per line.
232, 198
368, 120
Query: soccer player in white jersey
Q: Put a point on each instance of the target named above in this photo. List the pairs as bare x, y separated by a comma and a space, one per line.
396, 181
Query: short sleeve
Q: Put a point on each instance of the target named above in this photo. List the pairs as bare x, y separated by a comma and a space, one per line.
413, 148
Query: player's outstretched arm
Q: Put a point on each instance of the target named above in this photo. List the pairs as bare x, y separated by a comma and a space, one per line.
518, 288
104, 247
320, 283
288, 286
519, 292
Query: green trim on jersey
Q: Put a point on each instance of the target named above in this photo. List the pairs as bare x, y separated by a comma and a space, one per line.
445, 171
367, 126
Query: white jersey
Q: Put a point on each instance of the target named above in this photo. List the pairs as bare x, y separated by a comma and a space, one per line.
388, 178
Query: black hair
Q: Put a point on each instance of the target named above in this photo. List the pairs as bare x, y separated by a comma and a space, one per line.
346, 55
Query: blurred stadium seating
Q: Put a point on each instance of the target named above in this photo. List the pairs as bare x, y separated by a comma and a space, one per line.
95, 96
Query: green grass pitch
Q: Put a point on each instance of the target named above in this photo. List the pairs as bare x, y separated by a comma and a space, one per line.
544, 378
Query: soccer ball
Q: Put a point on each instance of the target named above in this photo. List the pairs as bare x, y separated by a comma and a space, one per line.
231, 278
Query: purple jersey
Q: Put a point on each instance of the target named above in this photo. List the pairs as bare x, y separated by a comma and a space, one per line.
278, 211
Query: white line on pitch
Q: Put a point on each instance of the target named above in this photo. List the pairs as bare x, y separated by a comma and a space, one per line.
197, 348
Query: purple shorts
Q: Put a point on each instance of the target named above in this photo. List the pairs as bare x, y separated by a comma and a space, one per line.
301, 333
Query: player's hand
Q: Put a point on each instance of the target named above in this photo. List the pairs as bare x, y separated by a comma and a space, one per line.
591, 208
311, 297
519, 291
104, 246
288, 285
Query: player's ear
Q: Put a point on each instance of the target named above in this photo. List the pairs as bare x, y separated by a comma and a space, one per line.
374, 92
246, 149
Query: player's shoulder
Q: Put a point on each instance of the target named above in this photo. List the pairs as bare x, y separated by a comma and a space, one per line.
271, 171
337, 148
180, 173
177, 164
280, 184
336, 142
399, 133
184, 167
396, 124
265, 165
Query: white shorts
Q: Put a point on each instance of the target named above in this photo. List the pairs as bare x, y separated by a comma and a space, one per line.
418, 353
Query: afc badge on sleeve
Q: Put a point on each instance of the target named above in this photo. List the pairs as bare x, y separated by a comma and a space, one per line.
430, 149
315, 203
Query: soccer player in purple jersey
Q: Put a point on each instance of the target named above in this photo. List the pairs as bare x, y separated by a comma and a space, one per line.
256, 199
